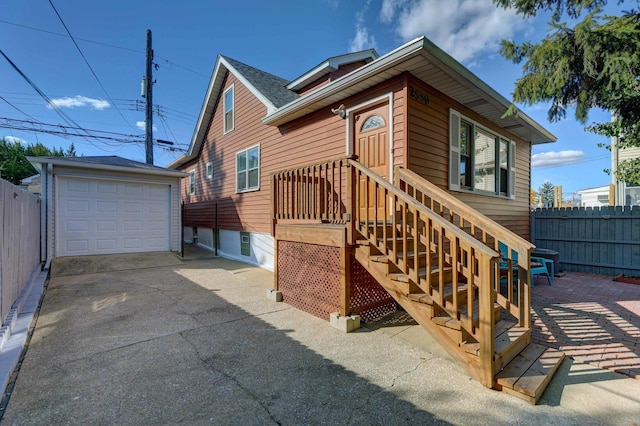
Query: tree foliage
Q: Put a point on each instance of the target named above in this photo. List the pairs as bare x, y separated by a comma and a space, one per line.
14, 165
545, 193
595, 63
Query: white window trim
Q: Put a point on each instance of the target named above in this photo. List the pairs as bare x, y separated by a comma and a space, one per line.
224, 110
454, 158
192, 186
257, 188
209, 170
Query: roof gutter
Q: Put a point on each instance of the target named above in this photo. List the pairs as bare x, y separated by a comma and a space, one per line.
95, 166
456, 66
414, 47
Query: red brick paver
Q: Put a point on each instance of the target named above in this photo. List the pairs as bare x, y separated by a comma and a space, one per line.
591, 318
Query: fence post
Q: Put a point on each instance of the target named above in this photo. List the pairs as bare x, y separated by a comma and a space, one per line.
532, 221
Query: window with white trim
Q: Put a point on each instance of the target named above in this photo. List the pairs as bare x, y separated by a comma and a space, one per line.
248, 169
228, 101
209, 170
192, 182
480, 160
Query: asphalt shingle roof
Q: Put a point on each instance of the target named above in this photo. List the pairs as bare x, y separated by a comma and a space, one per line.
271, 86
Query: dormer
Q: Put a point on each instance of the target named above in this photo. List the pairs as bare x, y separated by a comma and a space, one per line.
331, 69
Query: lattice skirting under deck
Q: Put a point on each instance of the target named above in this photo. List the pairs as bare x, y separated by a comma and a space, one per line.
309, 279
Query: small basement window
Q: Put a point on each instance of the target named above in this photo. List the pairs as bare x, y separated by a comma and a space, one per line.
245, 243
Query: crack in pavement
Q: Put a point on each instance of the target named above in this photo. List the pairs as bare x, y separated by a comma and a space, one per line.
246, 390
179, 333
393, 383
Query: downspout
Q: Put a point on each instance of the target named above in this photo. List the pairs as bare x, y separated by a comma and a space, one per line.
49, 216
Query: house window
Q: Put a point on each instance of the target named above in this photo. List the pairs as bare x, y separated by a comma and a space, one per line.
372, 122
192, 182
245, 244
228, 110
465, 155
209, 169
248, 169
480, 160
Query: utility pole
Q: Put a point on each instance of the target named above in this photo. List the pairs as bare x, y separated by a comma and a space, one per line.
148, 95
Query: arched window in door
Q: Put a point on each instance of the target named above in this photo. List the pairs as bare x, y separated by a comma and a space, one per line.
372, 122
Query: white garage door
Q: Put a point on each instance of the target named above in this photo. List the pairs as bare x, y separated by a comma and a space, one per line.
103, 216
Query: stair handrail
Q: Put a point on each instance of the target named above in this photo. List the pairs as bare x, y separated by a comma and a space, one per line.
486, 269
511, 241
486, 250
453, 204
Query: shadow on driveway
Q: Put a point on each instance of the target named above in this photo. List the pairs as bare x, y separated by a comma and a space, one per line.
197, 342
150, 346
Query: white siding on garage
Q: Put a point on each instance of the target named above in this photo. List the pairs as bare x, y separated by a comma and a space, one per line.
99, 216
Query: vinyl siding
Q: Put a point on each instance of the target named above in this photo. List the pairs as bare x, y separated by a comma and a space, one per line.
313, 138
428, 155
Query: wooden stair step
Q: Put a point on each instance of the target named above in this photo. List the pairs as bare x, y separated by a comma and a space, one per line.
509, 337
448, 294
380, 258
473, 348
528, 375
399, 276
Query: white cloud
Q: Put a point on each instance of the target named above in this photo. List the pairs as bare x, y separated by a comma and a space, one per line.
142, 126
465, 29
13, 139
79, 102
553, 158
362, 40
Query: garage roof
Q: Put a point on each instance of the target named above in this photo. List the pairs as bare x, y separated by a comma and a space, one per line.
112, 163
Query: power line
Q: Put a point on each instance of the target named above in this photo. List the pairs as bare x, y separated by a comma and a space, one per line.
89, 65
107, 45
61, 113
58, 129
17, 109
64, 35
113, 139
584, 160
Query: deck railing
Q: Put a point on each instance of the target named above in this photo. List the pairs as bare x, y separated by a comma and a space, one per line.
315, 192
514, 293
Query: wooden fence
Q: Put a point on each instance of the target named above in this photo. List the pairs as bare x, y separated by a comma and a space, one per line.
19, 242
600, 240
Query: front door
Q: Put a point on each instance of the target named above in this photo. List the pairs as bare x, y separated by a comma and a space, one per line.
371, 145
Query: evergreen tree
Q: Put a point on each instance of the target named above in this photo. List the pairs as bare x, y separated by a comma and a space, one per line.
14, 165
595, 63
545, 194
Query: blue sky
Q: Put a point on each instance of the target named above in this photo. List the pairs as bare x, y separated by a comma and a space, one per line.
285, 38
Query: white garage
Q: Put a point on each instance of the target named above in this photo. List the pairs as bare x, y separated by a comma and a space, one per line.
108, 205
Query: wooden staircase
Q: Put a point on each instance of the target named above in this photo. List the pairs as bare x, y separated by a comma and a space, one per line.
524, 369
440, 260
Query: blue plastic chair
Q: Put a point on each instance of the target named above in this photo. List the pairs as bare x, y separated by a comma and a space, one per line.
537, 265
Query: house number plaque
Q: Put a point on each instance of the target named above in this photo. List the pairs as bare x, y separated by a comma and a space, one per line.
418, 95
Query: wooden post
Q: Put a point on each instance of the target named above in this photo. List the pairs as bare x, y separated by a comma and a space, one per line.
275, 263
345, 280
485, 303
524, 291
350, 199
273, 205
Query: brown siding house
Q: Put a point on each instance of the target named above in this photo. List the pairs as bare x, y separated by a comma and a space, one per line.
376, 181
251, 116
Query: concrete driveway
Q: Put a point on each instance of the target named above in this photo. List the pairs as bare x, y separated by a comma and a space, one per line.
153, 339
